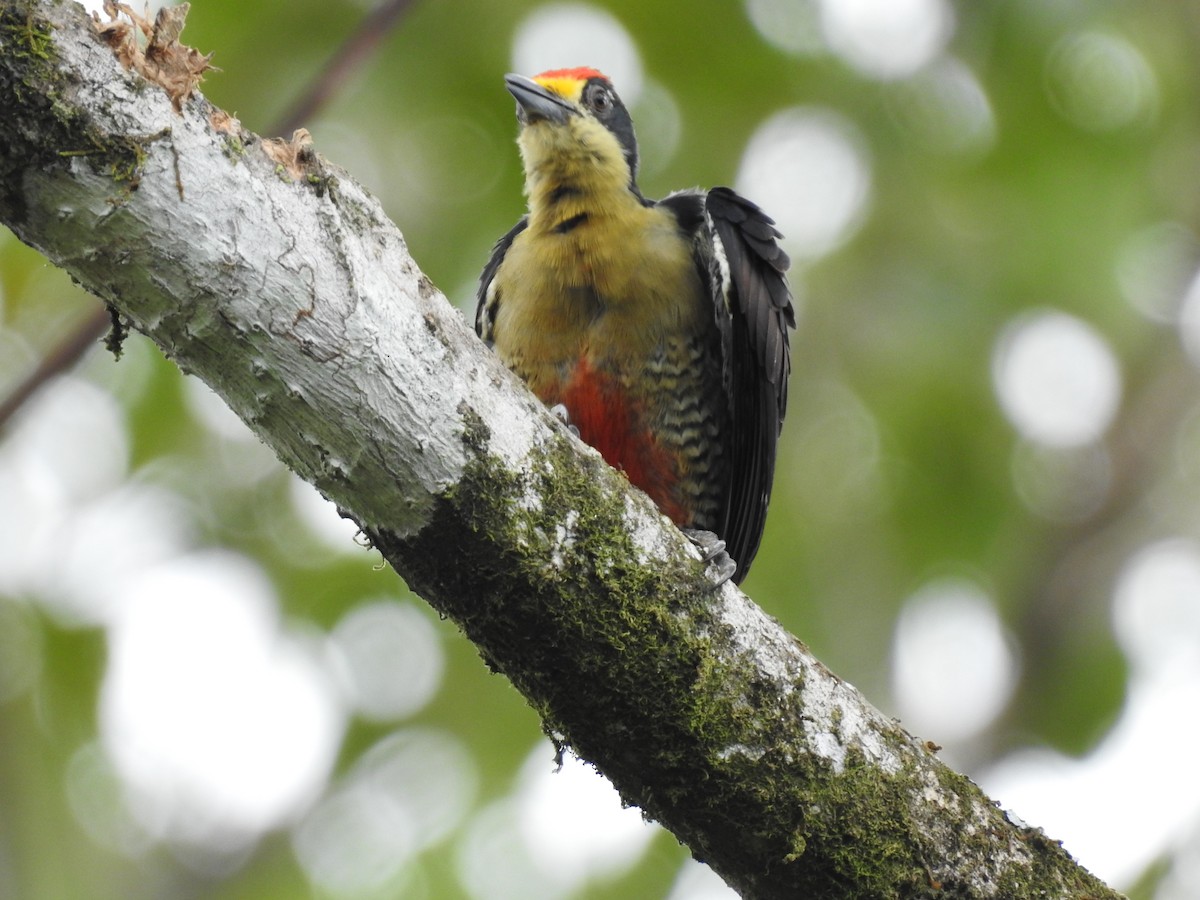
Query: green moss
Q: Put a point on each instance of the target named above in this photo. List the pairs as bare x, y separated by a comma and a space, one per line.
321, 184
32, 40
34, 90
623, 648
235, 149
28, 41
637, 676
126, 168
875, 851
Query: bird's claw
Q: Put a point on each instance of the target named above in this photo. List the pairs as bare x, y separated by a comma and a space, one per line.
712, 552
560, 412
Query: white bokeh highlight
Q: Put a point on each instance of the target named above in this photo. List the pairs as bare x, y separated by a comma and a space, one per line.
73, 527
355, 843
1056, 378
810, 169
321, 518
697, 881
573, 822
97, 798
887, 39
1100, 82
220, 722
1154, 268
1062, 484
570, 829
388, 659
106, 544
793, 26
409, 792
1117, 809
493, 861
1189, 319
953, 669
1182, 880
1156, 605
945, 108
565, 35
68, 444
1120, 807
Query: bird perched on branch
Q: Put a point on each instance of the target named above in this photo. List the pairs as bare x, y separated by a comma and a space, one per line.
658, 327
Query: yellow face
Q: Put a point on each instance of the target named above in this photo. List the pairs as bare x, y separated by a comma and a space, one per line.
568, 83
580, 151
568, 87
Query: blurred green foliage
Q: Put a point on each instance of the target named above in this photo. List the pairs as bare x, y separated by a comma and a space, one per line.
897, 461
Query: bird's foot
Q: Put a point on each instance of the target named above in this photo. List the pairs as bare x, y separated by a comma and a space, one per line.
712, 553
563, 415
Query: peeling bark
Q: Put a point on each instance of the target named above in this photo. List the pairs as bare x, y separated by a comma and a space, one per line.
286, 288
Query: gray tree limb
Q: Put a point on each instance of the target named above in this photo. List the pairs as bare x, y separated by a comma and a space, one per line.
275, 278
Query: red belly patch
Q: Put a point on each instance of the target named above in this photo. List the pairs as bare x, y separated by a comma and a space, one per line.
610, 420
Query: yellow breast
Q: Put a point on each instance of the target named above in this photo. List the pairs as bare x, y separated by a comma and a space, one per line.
612, 288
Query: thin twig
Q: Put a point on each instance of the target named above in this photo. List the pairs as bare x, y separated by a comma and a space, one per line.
60, 359
351, 56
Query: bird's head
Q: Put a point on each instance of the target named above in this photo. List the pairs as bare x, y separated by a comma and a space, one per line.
574, 126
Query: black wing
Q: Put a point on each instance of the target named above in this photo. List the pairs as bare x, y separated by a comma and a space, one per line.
487, 301
754, 312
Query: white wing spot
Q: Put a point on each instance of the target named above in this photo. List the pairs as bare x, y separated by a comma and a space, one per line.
722, 262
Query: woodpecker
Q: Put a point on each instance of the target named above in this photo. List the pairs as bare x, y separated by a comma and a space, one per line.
660, 327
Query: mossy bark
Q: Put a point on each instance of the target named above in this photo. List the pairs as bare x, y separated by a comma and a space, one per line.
296, 300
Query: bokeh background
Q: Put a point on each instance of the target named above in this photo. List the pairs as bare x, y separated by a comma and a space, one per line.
986, 508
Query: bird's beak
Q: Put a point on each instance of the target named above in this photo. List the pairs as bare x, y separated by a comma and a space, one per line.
536, 103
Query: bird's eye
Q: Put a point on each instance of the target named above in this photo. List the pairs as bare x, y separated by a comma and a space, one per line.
601, 100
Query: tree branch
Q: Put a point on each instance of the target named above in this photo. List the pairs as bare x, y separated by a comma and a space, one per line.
274, 277
351, 55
